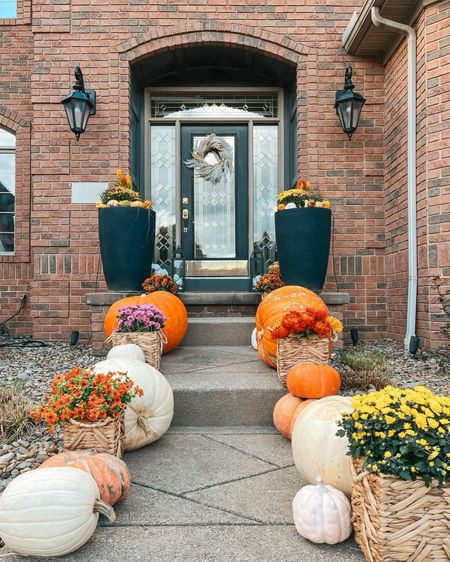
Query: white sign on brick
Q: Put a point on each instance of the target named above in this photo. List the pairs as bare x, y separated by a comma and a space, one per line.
87, 191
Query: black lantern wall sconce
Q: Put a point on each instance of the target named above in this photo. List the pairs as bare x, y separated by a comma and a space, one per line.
79, 105
348, 105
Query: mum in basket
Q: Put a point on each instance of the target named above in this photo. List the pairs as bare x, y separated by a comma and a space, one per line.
90, 406
141, 324
399, 441
304, 336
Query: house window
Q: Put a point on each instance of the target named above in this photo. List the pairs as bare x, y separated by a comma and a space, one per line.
7, 191
8, 8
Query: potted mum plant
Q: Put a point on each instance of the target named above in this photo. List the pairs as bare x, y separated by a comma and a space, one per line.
160, 282
141, 324
399, 441
126, 234
270, 281
90, 407
303, 233
304, 336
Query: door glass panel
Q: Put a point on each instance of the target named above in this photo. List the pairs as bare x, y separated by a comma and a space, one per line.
265, 188
214, 213
163, 185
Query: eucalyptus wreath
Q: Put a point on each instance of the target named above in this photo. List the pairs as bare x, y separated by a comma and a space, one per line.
221, 149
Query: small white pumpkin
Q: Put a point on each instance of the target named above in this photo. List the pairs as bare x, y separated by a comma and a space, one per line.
290, 206
254, 342
317, 449
147, 417
126, 351
50, 512
322, 514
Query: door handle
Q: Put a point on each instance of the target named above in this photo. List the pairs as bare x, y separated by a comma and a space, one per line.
185, 214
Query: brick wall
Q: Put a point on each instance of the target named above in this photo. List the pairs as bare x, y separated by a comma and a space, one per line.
433, 174
104, 37
16, 112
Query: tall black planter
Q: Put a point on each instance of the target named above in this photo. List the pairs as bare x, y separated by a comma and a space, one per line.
303, 245
127, 241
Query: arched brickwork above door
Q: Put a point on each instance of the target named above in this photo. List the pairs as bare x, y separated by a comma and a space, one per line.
11, 120
236, 35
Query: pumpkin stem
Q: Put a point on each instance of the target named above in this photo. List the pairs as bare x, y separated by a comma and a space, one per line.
320, 484
2, 544
104, 509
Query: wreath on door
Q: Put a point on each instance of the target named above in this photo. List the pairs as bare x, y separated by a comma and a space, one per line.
212, 158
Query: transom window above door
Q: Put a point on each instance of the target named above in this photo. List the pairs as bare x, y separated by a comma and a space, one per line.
185, 106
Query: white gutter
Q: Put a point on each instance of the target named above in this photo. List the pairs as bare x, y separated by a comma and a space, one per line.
412, 203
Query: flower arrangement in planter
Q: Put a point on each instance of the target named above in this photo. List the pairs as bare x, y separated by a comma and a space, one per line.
304, 335
399, 441
90, 408
142, 325
300, 196
270, 281
160, 283
303, 216
126, 235
122, 194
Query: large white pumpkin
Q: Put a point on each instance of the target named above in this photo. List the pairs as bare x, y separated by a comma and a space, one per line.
147, 417
50, 512
315, 446
322, 514
126, 351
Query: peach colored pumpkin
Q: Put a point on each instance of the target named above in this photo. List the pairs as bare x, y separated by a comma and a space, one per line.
109, 472
308, 380
282, 413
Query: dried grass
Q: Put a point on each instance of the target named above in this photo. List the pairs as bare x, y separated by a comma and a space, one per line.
14, 413
365, 370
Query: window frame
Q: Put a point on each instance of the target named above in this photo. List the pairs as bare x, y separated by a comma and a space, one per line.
11, 150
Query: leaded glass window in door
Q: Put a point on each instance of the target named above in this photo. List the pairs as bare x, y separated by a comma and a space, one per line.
163, 191
265, 188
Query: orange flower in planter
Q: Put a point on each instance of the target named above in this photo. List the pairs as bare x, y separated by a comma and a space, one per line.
311, 324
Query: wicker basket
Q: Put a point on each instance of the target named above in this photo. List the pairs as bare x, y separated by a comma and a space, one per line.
293, 350
149, 342
105, 436
400, 520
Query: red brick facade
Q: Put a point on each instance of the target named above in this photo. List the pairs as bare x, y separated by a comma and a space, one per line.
57, 262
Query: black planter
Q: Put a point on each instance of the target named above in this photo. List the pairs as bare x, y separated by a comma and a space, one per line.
127, 241
303, 245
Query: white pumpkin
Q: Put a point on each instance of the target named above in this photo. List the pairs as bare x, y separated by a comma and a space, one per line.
50, 512
147, 417
254, 342
322, 514
290, 206
126, 351
317, 449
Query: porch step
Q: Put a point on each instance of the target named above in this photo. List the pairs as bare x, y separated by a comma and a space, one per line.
219, 330
221, 386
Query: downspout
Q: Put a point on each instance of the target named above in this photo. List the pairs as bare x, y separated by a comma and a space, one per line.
412, 203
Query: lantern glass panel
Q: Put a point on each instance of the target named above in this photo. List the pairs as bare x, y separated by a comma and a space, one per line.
345, 114
357, 106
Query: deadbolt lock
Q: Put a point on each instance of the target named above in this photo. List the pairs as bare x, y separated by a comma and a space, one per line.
185, 200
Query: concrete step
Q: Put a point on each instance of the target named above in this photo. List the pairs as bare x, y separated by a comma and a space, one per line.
221, 386
219, 330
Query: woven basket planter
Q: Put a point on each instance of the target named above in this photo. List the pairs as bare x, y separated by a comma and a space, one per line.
149, 342
293, 350
105, 436
399, 520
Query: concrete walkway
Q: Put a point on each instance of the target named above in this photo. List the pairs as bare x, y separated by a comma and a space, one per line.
209, 494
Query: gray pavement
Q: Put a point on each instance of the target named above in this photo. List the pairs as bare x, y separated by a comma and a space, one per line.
209, 495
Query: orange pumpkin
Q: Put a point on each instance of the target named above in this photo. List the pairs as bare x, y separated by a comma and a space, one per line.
265, 357
282, 413
308, 380
272, 309
110, 473
170, 305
